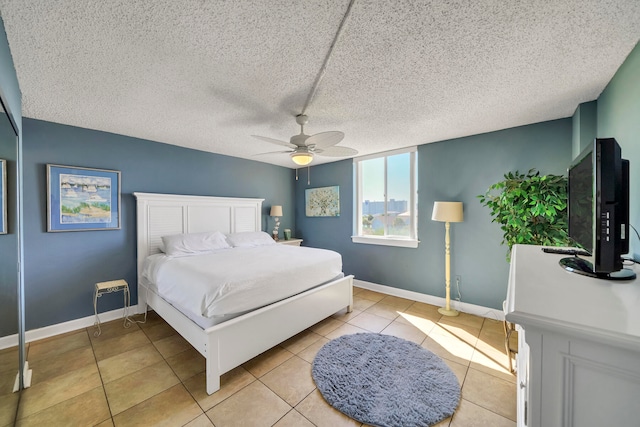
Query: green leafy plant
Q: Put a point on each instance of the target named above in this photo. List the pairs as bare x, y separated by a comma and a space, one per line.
530, 208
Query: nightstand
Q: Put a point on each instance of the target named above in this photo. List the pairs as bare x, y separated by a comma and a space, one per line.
291, 242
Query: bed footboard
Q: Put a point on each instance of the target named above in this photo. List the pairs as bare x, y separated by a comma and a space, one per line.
229, 344
236, 341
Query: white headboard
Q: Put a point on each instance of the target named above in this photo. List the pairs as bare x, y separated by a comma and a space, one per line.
164, 214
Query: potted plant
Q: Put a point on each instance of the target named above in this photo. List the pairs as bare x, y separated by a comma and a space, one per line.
531, 208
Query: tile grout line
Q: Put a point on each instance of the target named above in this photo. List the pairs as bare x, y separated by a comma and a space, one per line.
203, 412
104, 391
79, 331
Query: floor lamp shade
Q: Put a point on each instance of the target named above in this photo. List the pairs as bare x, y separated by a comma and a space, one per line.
447, 212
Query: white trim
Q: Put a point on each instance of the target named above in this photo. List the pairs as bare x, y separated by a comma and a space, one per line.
357, 179
385, 241
413, 148
413, 195
412, 205
478, 310
26, 378
61, 328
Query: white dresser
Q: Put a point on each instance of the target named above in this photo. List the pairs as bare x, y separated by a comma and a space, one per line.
579, 344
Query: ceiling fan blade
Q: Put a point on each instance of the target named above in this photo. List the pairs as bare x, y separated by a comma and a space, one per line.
336, 152
273, 152
274, 141
325, 139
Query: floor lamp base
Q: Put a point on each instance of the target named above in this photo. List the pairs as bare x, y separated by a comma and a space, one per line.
446, 312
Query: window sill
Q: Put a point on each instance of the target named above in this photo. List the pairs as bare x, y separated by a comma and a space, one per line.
385, 241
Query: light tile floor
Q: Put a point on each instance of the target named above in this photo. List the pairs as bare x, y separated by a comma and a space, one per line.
149, 375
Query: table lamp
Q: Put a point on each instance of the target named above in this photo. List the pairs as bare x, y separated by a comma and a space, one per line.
276, 212
447, 212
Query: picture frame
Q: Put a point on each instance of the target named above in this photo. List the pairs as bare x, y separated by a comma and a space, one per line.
3, 197
82, 199
322, 201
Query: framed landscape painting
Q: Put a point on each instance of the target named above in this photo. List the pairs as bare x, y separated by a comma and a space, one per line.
81, 199
323, 201
3, 196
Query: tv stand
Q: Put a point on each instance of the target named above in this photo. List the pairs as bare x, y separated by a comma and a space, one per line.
578, 344
578, 265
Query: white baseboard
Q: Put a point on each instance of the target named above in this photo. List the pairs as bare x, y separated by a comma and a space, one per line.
61, 328
478, 310
85, 322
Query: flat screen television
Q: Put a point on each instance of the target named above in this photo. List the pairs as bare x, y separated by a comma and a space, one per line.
598, 209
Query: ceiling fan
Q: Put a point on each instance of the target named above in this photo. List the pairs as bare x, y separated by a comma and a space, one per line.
303, 147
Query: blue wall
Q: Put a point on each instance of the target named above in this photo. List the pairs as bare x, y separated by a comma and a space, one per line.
454, 170
61, 268
619, 117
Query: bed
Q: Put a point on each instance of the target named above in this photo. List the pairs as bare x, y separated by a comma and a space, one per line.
228, 344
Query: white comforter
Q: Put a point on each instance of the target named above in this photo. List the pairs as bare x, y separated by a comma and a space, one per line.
233, 281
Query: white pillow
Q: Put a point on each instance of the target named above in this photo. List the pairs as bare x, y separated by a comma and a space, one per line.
194, 243
249, 239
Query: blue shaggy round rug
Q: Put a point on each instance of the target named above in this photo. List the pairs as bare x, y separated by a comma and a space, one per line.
382, 380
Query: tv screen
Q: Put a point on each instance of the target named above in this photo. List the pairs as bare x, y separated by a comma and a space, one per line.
598, 208
581, 208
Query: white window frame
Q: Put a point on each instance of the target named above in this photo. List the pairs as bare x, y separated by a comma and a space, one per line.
408, 242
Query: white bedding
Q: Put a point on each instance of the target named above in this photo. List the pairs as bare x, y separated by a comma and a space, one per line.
229, 282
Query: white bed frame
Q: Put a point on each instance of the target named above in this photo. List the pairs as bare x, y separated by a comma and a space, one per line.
233, 342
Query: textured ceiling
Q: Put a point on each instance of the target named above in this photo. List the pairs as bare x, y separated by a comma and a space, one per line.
209, 74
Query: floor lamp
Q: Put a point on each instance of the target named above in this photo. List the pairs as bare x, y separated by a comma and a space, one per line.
447, 212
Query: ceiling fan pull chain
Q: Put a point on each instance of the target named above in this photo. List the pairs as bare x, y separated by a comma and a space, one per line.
296, 174
308, 175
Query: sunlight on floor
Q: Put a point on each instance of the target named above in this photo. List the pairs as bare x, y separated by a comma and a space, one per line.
488, 350
425, 325
455, 331
491, 356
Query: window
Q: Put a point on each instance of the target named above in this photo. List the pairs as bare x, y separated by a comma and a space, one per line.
386, 199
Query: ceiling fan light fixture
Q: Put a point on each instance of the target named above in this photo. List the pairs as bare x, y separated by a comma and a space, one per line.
302, 148
302, 158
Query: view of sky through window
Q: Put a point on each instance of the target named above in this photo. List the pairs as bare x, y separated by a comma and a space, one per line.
398, 176
386, 215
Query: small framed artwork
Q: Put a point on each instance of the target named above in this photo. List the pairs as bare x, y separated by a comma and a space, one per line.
3, 196
323, 201
81, 199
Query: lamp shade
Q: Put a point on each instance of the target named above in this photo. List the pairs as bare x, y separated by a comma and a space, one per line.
447, 212
276, 210
302, 158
